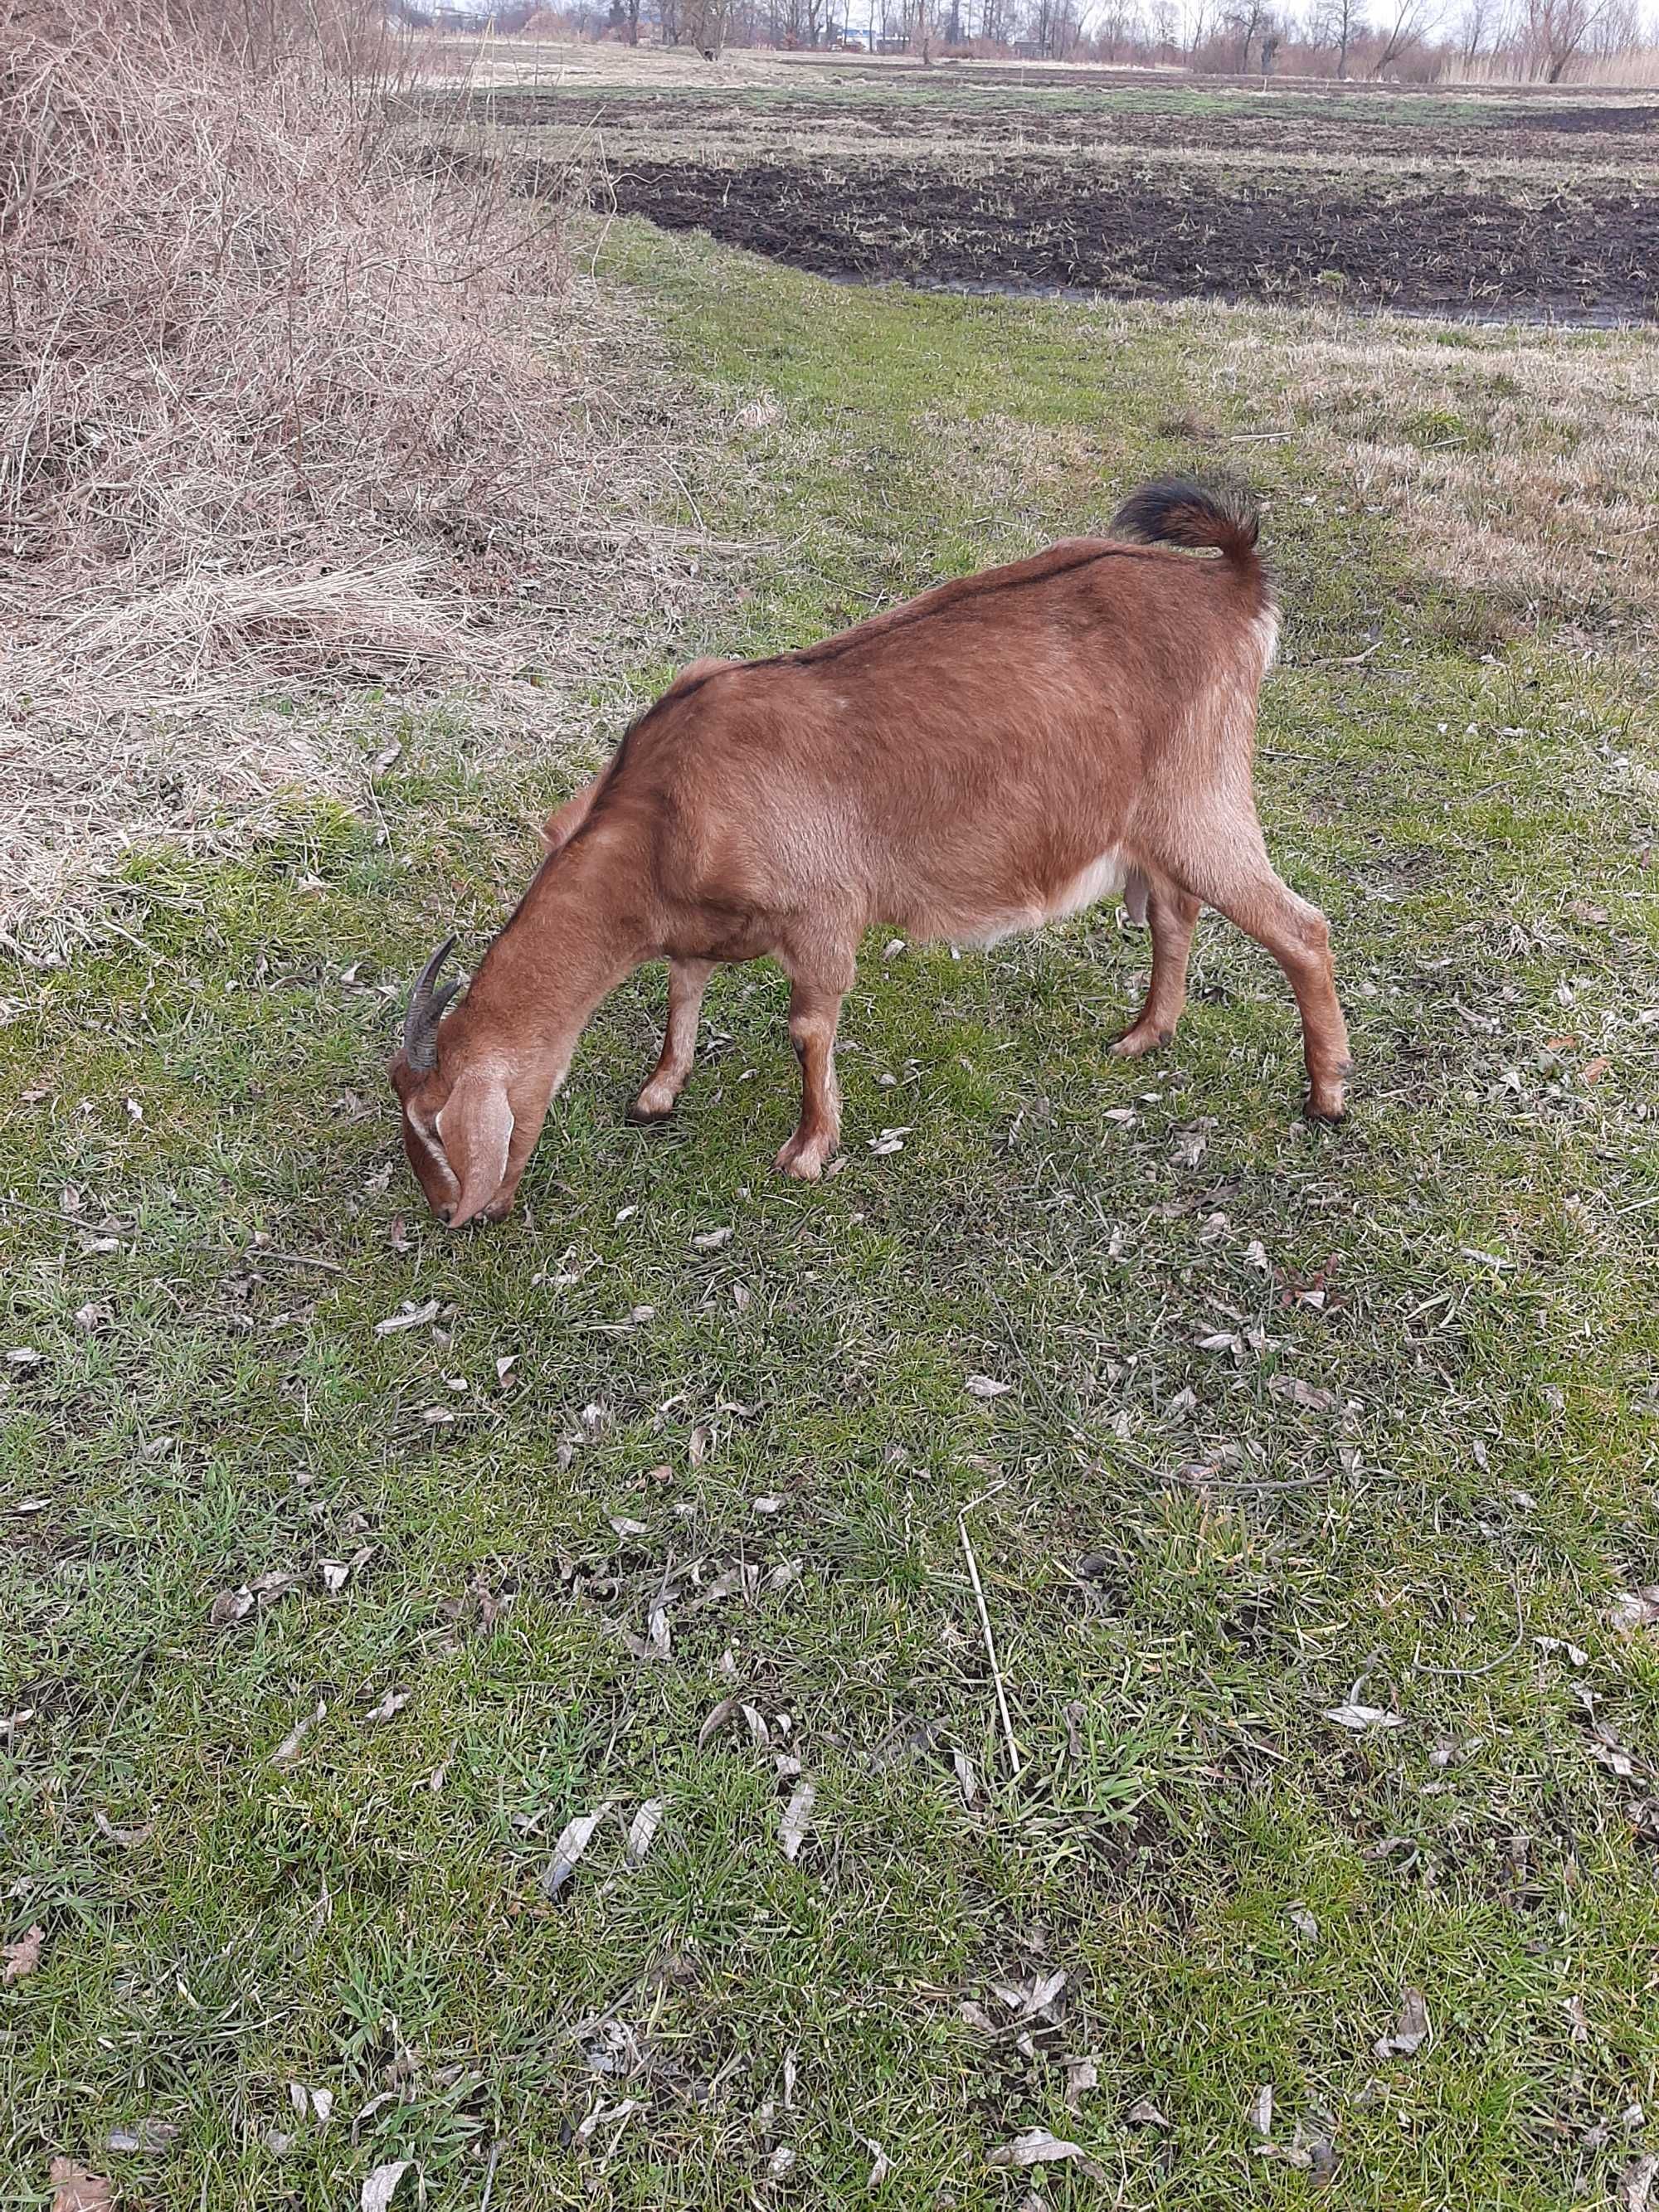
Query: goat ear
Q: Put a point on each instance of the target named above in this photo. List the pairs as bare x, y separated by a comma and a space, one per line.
475, 1126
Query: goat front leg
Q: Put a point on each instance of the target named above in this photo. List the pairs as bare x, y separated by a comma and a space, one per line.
814, 1017
1172, 915
687, 981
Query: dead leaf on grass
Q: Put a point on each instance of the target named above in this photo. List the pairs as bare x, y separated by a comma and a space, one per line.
711, 1240
1308, 1394
1605, 1746
296, 1736
412, 1316
967, 1781
233, 1605
381, 2186
1260, 2115
1633, 1609
890, 1141
147, 2136
1359, 1718
126, 1839
337, 1573
1635, 2183
716, 1722
642, 1830
75, 2189
1036, 2147
388, 1709
880, 2165
1082, 2075
1035, 1999
797, 1819
1411, 2031
1304, 1923
1143, 2113
759, 1734
573, 1840
23, 1956
986, 1386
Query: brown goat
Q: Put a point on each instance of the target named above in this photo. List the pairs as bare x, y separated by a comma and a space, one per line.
1001, 752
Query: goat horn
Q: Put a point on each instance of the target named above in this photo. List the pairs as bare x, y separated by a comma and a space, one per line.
425, 1007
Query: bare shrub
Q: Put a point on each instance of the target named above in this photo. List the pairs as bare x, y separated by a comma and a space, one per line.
290, 396
266, 411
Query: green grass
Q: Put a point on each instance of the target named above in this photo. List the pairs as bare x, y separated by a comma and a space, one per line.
1421, 1438
946, 89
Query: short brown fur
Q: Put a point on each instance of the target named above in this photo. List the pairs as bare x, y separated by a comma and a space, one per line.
1002, 750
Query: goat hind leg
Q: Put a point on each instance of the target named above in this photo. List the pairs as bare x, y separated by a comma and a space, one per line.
1239, 882
1172, 916
687, 981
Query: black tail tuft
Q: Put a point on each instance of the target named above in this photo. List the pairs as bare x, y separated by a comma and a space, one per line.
1176, 511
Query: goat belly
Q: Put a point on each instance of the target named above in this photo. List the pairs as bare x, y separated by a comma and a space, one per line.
1103, 877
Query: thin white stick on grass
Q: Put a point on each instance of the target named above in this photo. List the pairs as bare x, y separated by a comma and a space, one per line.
985, 1627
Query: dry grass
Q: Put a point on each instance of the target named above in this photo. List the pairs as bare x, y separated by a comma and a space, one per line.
283, 406
1522, 464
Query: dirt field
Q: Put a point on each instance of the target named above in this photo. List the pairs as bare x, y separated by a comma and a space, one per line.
1299, 126
1450, 203
1031, 222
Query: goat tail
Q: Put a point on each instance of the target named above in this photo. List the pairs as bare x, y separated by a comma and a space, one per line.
1224, 518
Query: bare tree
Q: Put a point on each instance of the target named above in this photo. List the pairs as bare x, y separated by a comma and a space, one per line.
1411, 22
1617, 30
1055, 28
1199, 29
1479, 29
703, 23
1338, 26
1243, 23
1121, 30
1554, 33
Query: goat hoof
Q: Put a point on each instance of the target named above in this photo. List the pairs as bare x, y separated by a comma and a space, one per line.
805, 1160
1328, 1106
645, 1117
1135, 1042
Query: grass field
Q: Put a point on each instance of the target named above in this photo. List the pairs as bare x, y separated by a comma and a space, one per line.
348, 1563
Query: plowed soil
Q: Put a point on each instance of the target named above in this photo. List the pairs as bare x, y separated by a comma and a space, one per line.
1035, 221
1303, 125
